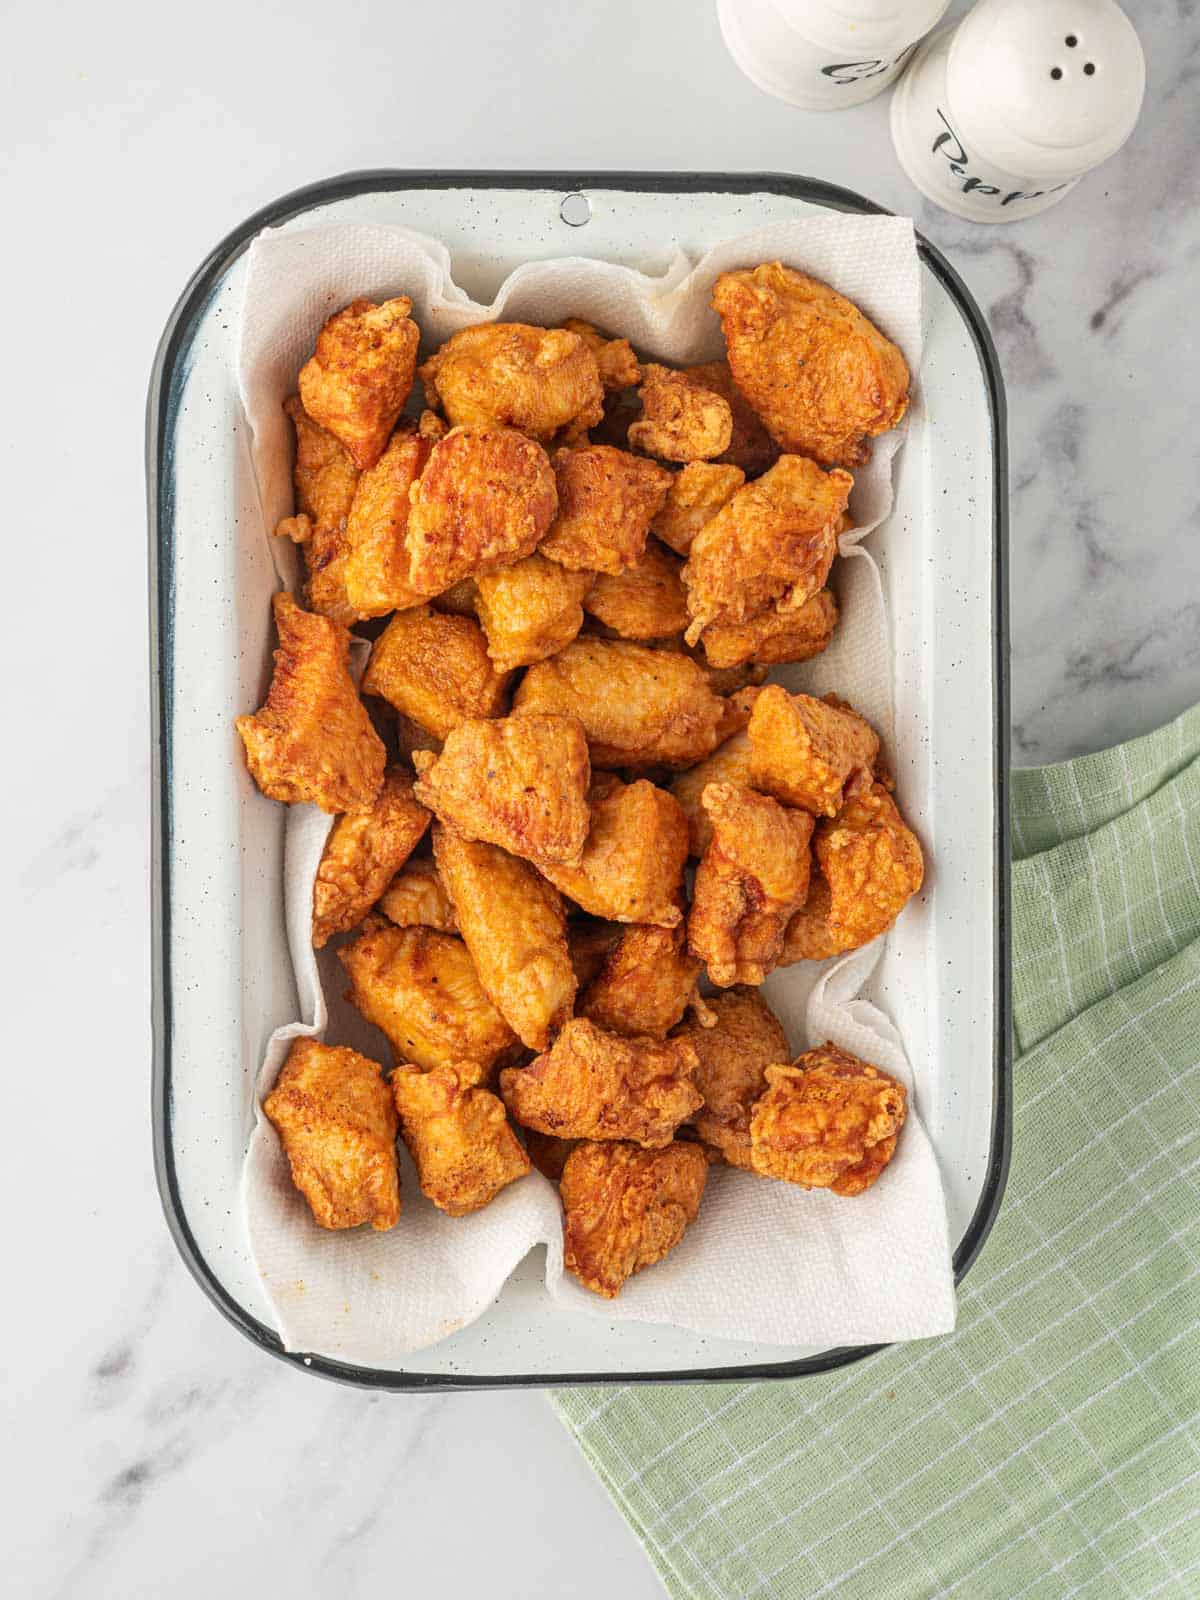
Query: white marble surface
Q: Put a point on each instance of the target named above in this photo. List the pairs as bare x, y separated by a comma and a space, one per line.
152, 1450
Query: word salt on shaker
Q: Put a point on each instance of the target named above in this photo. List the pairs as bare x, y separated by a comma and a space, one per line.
1001, 116
825, 54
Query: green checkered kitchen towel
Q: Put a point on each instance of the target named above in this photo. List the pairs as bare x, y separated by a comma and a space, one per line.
1051, 1446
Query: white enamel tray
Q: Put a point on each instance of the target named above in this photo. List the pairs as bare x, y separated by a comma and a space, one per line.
223, 980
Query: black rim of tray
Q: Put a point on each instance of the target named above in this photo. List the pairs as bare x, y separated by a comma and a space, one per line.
165, 385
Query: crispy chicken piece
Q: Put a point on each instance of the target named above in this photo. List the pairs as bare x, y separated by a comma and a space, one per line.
485, 499
363, 853
645, 601
696, 494
639, 707
729, 763
618, 366
751, 447
461, 599
530, 610
420, 988
334, 1116
770, 548
325, 553
606, 502
808, 752
516, 931
596, 1085
458, 1136
410, 736
507, 374
819, 374
324, 475
360, 375
435, 670
829, 1121
626, 1208
728, 680
548, 1154
313, 740
869, 865
519, 782
589, 940
752, 876
771, 637
681, 420
647, 982
417, 898
377, 562
631, 869
734, 1055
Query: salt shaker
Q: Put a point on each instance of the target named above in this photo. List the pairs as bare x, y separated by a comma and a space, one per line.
1000, 117
825, 54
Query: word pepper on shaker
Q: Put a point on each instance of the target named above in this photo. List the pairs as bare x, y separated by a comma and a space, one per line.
1000, 117
825, 54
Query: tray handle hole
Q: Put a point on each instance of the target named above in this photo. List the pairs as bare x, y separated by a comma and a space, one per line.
575, 209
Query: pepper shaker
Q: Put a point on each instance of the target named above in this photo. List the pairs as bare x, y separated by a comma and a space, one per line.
999, 117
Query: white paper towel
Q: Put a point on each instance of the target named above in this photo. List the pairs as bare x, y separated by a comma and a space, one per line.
765, 1261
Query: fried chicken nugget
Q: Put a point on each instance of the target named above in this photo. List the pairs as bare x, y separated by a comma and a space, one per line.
829, 1121
646, 983
530, 610
752, 876
734, 1054
681, 419
772, 638
617, 364
325, 553
324, 476
458, 1136
596, 1085
364, 852
606, 502
631, 868
461, 599
519, 782
729, 763
695, 496
638, 707
589, 940
869, 865
626, 1208
645, 601
435, 670
417, 898
769, 548
360, 374
312, 740
420, 988
335, 1118
377, 562
751, 447
485, 498
807, 752
819, 374
508, 374
549, 1155
516, 931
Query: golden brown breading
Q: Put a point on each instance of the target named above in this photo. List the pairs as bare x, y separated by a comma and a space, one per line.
646, 983
771, 638
461, 599
516, 930
420, 988
615, 359
360, 375
694, 498
589, 940
435, 670
728, 680
508, 374
808, 752
548, 1154
325, 553
519, 782
337, 1124
829, 1121
364, 851
377, 561
734, 1055
770, 547
819, 374
530, 610
646, 601
639, 707
324, 475
458, 1136
751, 447
485, 499
681, 420
596, 1085
729, 763
312, 740
752, 876
631, 869
410, 736
869, 865
417, 898
626, 1208
606, 502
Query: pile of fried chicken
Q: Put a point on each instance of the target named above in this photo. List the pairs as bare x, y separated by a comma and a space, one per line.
587, 564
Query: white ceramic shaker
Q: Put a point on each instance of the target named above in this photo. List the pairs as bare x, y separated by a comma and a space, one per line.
1000, 117
825, 54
